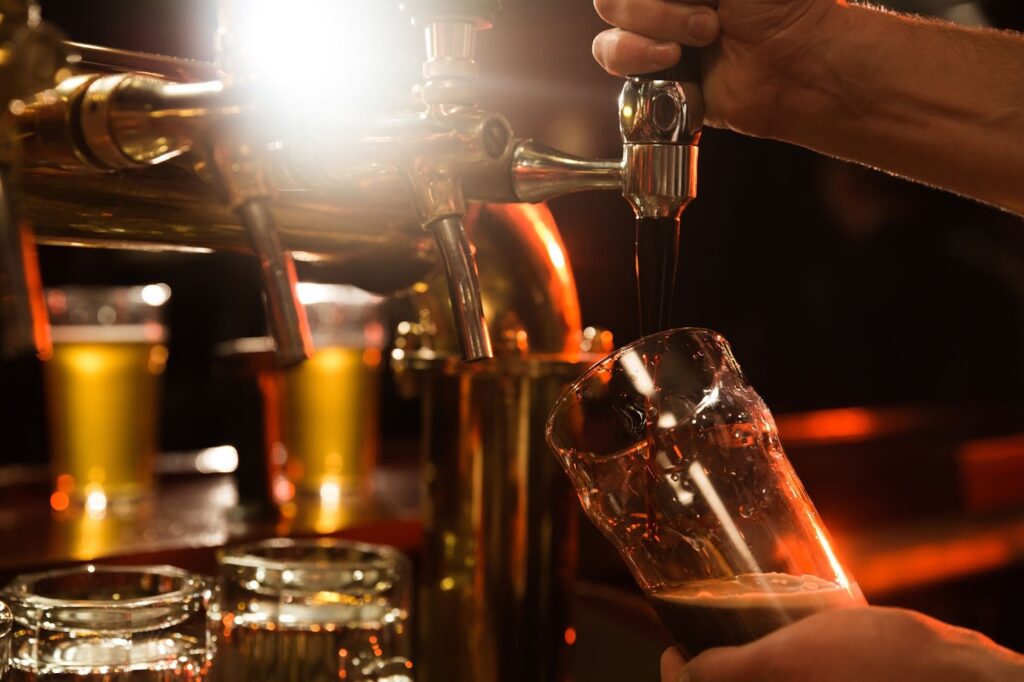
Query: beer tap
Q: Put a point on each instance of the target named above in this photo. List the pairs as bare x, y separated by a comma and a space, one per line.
31, 58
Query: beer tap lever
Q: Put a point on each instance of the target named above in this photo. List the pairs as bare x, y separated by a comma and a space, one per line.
660, 117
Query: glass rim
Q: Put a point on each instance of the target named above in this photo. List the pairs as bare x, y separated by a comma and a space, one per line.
614, 357
19, 592
247, 554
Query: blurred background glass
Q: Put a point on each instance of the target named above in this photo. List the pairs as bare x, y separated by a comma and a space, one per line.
102, 391
96, 623
313, 610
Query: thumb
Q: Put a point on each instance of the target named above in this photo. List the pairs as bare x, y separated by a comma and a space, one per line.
723, 664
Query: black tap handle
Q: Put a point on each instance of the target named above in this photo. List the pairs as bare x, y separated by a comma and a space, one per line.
686, 70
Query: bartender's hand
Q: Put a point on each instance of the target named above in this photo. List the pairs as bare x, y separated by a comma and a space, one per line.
925, 99
761, 41
854, 645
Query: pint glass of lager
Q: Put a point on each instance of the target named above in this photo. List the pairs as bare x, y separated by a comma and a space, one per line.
104, 623
678, 461
102, 391
312, 611
328, 406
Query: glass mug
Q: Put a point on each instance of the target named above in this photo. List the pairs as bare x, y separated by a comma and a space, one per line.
102, 386
109, 624
312, 611
678, 461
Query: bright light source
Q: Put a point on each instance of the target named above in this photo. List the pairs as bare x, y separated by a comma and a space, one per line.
219, 460
156, 294
330, 493
325, 58
95, 502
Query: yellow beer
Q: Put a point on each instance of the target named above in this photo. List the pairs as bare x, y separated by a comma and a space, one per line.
102, 393
329, 424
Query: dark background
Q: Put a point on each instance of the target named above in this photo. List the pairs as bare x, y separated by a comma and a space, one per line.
836, 285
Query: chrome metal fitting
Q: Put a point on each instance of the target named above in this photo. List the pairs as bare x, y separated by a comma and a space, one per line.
660, 122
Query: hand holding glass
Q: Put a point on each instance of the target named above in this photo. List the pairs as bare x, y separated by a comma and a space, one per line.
678, 461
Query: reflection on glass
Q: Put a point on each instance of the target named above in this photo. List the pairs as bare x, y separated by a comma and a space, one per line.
102, 391
677, 460
312, 611
103, 623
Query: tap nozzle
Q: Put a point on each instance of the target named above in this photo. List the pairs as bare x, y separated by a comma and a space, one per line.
660, 118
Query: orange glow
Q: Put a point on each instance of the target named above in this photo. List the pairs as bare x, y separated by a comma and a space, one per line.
371, 357
408, 664
937, 560
570, 636
992, 474
65, 483
535, 226
36, 297
850, 423
59, 501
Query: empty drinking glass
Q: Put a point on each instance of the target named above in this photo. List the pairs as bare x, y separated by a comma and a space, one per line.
678, 461
109, 624
312, 611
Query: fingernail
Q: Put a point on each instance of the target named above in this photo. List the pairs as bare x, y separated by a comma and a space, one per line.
702, 26
663, 53
683, 676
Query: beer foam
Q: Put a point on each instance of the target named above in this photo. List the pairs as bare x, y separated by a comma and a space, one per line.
114, 333
762, 590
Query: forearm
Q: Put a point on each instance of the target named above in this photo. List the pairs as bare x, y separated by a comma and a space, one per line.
933, 102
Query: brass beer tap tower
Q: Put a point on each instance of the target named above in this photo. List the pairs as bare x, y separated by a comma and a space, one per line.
106, 148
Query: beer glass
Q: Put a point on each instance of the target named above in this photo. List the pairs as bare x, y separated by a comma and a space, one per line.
5, 639
109, 624
328, 405
102, 392
677, 460
312, 611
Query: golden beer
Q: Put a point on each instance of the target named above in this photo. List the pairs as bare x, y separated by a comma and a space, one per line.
328, 408
102, 393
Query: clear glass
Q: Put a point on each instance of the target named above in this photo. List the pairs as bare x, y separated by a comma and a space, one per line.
677, 460
109, 624
327, 408
102, 385
312, 611
5, 639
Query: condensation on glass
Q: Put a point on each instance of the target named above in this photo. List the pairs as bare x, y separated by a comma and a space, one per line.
678, 461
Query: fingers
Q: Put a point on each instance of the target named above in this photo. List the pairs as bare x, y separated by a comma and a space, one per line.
672, 665
622, 53
690, 24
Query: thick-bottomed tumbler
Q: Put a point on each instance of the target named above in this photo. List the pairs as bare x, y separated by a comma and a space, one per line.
109, 624
313, 611
677, 460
